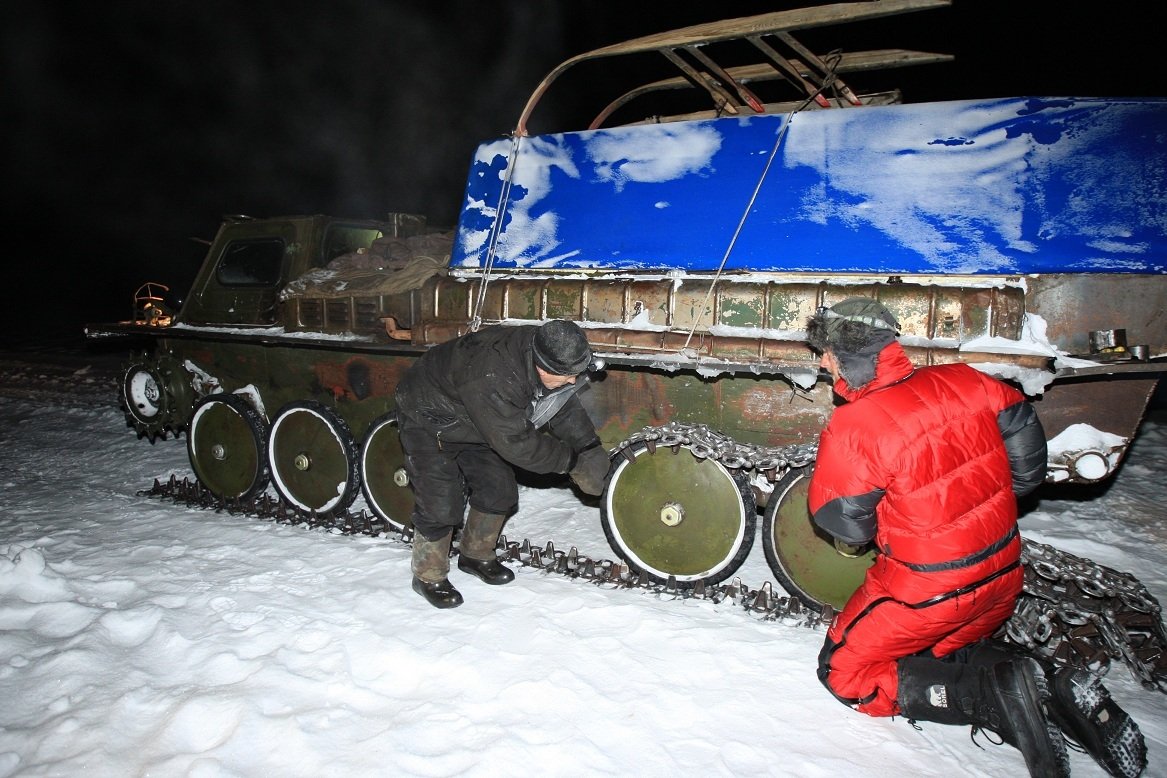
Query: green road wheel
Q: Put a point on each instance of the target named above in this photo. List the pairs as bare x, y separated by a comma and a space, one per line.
802, 557
227, 446
668, 513
313, 458
383, 479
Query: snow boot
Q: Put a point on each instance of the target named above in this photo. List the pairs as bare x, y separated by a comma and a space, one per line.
1007, 698
1084, 710
476, 549
431, 570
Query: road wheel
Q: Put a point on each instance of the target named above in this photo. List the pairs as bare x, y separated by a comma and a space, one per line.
668, 513
227, 446
383, 478
802, 557
313, 458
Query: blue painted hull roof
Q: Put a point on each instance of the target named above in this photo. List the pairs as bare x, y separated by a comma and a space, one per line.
999, 187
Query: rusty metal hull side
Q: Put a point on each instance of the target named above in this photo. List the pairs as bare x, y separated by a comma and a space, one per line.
1113, 404
621, 400
764, 409
752, 409
359, 386
1074, 305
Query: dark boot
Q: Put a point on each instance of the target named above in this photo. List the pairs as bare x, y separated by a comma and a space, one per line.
1006, 698
431, 570
1083, 708
987, 653
476, 549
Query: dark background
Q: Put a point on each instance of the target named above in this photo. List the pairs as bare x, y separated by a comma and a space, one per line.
130, 128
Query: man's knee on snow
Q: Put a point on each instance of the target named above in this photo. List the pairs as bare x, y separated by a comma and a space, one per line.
860, 691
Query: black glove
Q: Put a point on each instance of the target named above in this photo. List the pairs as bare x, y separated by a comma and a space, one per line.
591, 469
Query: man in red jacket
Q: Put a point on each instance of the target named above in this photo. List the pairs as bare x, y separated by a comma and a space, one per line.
927, 464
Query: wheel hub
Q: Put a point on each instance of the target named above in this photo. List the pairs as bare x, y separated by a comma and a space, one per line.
302, 461
672, 514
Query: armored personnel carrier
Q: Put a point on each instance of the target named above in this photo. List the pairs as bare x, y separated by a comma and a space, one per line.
1024, 236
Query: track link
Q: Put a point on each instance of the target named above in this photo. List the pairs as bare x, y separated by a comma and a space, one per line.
762, 602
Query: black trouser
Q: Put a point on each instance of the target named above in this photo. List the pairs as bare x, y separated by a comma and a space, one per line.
444, 475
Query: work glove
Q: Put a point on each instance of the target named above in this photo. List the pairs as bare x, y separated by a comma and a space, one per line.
848, 550
591, 469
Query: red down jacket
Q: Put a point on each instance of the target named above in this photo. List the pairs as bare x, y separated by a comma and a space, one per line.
927, 463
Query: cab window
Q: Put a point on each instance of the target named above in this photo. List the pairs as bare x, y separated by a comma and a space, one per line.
251, 262
344, 239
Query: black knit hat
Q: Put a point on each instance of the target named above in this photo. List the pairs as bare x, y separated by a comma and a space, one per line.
855, 330
561, 348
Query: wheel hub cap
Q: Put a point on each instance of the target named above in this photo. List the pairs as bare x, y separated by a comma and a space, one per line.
671, 514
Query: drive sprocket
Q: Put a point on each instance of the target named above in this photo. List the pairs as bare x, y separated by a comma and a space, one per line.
156, 395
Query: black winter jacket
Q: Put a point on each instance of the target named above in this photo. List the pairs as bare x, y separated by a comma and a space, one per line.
480, 389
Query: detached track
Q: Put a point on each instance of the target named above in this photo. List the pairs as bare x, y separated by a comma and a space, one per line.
762, 602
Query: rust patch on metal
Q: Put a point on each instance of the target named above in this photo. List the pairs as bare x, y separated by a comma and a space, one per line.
1113, 404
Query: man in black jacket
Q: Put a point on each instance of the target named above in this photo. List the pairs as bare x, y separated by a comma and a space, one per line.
469, 412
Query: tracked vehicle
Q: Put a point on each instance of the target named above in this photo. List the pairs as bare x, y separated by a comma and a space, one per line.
1025, 236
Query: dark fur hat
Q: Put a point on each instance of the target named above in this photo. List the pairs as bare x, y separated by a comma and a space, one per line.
561, 347
855, 330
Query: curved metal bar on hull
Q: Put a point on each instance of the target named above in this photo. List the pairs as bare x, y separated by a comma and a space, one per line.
746, 74
731, 29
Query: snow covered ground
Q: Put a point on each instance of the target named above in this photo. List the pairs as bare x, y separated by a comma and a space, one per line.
140, 638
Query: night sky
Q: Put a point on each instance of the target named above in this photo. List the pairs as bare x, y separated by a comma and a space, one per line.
131, 127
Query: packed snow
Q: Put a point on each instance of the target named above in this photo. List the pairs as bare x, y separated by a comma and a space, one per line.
139, 637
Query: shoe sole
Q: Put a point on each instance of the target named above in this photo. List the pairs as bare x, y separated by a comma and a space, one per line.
1091, 717
1023, 681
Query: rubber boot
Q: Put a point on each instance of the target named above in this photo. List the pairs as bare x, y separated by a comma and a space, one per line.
1084, 710
476, 549
431, 570
1007, 698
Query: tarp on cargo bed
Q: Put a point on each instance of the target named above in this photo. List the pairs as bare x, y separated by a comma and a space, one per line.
1004, 186
389, 266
